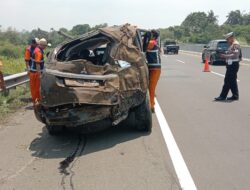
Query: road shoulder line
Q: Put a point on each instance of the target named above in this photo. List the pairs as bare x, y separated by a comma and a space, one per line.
182, 172
180, 61
221, 75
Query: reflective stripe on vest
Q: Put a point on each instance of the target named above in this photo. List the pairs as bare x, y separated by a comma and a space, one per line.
31, 50
33, 62
153, 59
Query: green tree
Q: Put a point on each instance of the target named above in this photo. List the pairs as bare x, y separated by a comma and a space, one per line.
39, 33
195, 22
99, 26
199, 27
212, 18
80, 29
234, 18
246, 19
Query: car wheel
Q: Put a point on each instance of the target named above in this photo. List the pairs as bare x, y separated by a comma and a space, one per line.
143, 116
54, 130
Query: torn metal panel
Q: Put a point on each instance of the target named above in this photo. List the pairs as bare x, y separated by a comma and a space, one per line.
105, 69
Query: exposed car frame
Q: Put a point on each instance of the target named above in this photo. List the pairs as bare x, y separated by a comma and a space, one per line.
96, 91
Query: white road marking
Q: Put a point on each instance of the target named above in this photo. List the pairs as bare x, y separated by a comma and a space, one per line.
191, 53
245, 64
221, 75
182, 172
18, 172
180, 61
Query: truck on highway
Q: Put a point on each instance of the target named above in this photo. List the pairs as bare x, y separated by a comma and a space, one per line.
170, 46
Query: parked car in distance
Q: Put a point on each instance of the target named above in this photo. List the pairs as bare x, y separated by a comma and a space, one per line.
170, 47
213, 50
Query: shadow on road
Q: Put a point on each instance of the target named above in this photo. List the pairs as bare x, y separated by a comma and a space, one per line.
49, 147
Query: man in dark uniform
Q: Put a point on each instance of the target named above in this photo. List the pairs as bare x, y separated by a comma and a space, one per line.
233, 58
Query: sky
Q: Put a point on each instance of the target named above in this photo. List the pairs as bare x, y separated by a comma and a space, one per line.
148, 14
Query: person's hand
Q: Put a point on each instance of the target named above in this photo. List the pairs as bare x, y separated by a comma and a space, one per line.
222, 56
27, 70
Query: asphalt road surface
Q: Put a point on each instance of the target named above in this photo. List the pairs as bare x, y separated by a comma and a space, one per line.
212, 138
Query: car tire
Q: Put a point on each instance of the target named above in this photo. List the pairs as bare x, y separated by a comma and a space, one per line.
143, 116
54, 130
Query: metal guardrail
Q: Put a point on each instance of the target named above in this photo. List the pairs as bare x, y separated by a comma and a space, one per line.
14, 80
200, 47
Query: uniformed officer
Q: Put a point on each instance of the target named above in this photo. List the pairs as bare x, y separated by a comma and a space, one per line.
233, 58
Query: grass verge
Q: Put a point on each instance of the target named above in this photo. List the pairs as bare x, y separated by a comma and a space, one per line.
12, 65
15, 99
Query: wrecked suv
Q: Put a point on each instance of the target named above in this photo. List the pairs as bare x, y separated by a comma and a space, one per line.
97, 80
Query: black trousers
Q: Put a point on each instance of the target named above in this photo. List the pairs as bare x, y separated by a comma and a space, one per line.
230, 81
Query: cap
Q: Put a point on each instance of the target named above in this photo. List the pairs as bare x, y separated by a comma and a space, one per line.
34, 40
155, 33
228, 35
43, 42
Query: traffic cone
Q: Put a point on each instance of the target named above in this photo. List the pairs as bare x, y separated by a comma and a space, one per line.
206, 66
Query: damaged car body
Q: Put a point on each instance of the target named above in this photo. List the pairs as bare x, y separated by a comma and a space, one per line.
98, 79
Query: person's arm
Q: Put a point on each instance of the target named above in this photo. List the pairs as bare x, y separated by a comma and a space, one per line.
27, 59
38, 59
233, 54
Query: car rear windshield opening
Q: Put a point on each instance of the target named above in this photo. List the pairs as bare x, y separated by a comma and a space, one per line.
93, 50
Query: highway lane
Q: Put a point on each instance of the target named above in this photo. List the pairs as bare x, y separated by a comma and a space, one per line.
118, 158
213, 137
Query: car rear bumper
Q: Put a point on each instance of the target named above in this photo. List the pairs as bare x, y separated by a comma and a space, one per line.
73, 116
